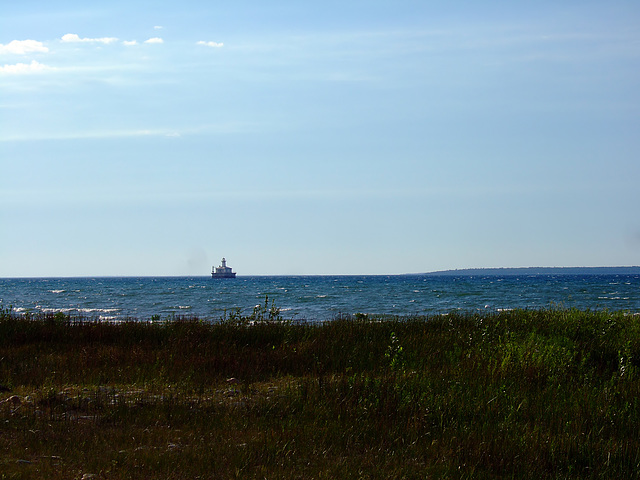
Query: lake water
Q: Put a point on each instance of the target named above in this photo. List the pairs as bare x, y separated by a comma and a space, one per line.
316, 298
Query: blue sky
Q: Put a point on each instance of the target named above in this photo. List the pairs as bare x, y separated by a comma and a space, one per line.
377, 137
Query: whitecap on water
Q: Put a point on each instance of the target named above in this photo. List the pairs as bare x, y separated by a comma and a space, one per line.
97, 310
54, 310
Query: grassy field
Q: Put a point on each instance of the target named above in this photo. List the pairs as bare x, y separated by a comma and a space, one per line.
519, 394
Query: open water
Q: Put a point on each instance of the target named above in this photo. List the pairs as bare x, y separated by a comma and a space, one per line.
316, 298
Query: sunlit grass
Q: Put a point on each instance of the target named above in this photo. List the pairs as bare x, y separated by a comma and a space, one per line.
520, 394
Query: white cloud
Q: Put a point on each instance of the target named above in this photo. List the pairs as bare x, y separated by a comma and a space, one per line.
74, 38
24, 68
210, 44
129, 43
158, 27
154, 40
22, 47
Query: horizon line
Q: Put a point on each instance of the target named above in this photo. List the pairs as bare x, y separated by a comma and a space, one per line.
433, 272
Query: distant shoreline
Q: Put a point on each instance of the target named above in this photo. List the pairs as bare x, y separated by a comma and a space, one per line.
540, 271
633, 270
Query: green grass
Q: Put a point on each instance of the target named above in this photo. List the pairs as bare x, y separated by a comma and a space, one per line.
520, 394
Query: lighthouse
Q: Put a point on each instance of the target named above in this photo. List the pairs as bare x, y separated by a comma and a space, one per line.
223, 271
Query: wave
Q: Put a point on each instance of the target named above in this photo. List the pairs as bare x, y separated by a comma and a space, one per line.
74, 310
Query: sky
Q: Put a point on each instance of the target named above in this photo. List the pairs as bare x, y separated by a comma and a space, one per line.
303, 138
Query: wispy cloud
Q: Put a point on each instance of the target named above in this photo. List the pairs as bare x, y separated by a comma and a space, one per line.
24, 68
210, 44
154, 40
129, 43
83, 135
172, 133
23, 47
74, 38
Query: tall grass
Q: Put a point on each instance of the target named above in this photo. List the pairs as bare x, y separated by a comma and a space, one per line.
520, 394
